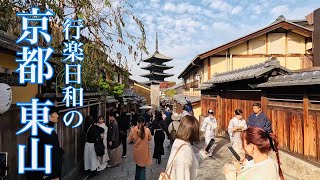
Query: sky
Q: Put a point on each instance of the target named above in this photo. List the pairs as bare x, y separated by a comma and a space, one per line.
188, 28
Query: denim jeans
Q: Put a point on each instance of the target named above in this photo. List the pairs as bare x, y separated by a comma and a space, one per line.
140, 173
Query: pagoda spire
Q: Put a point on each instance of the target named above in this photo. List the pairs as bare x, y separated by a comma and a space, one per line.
157, 50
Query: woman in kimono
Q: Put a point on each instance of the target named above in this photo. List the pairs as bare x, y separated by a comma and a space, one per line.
105, 158
236, 126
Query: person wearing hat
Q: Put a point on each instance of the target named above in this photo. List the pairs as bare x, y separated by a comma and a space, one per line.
208, 127
173, 126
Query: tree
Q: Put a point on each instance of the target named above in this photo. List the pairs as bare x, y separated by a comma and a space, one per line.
170, 93
105, 35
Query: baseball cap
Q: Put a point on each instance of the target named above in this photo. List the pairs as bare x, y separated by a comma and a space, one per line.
210, 111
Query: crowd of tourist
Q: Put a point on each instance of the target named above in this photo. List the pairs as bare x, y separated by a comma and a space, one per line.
252, 140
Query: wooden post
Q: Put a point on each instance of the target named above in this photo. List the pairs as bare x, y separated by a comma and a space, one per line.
264, 102
219, 113
305, 124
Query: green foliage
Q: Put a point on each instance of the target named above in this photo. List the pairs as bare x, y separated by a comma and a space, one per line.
112, 88
171, 93
105, 38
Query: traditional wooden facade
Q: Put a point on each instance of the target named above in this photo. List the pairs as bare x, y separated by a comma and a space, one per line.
71, 140
290, 100
289, 41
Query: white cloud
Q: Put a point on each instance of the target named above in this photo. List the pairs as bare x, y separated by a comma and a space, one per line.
169, 7
257, 9
279, 10
236, 10
222, 26
221, 5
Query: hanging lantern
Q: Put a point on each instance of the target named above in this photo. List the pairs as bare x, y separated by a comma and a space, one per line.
5, 97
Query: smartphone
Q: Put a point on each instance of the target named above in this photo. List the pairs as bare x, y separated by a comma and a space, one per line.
209, 146
234, 153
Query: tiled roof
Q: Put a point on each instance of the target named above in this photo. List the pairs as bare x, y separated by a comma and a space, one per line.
250, 72
128, 93
204, 87
158, 56
111, 99
157, 74
152, 82
181, 99
293, 79
152, 65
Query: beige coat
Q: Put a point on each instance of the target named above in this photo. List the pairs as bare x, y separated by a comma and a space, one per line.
141, 149
186, 162
265, 170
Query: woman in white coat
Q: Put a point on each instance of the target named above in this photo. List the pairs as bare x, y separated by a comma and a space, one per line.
209, 125
235, 127
105, 158
183, 163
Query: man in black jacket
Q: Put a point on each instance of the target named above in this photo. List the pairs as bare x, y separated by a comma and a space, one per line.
56, 151
124, 125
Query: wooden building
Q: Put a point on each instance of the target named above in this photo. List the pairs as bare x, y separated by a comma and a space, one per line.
290, 99
289, 41
71, 140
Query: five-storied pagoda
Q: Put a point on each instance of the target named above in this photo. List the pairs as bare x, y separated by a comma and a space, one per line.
156, 67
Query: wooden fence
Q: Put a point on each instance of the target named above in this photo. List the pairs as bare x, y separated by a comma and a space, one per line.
295, 119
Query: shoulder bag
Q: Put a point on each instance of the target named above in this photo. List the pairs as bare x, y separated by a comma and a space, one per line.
165, 175
98, 144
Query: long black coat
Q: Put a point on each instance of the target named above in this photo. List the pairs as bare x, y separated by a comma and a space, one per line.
113, 135
159, 129
57, 154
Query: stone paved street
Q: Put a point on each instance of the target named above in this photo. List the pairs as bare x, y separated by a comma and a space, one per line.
210, 169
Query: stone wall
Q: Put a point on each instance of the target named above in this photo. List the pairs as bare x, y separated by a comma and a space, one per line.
297, 169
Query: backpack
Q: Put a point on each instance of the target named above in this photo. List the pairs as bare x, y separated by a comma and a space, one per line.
189, 106
173, 133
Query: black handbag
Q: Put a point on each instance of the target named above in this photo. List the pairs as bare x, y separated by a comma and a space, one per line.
99, 147
98, 144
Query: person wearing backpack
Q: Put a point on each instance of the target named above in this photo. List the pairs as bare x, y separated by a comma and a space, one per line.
173, 127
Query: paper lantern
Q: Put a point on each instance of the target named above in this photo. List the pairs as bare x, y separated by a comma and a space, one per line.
5, 97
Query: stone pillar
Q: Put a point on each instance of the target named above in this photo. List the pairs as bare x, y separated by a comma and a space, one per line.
155, 96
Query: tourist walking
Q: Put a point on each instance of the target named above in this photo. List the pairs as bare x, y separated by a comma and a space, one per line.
141, 136
159, 128
124, 125
105, 158
257, 143
183, 162
236, 125
57, 152
173, 127
259, 119
113, 141
208, 127
134, 117
90, 158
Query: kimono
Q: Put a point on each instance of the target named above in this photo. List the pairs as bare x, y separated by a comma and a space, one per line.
105, 158
235, 136
114, 150
209, 125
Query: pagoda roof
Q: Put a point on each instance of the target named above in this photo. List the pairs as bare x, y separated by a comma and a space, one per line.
157, 55
152, 82
157, 65
156, 74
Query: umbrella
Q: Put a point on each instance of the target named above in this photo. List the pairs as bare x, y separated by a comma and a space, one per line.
145, 107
